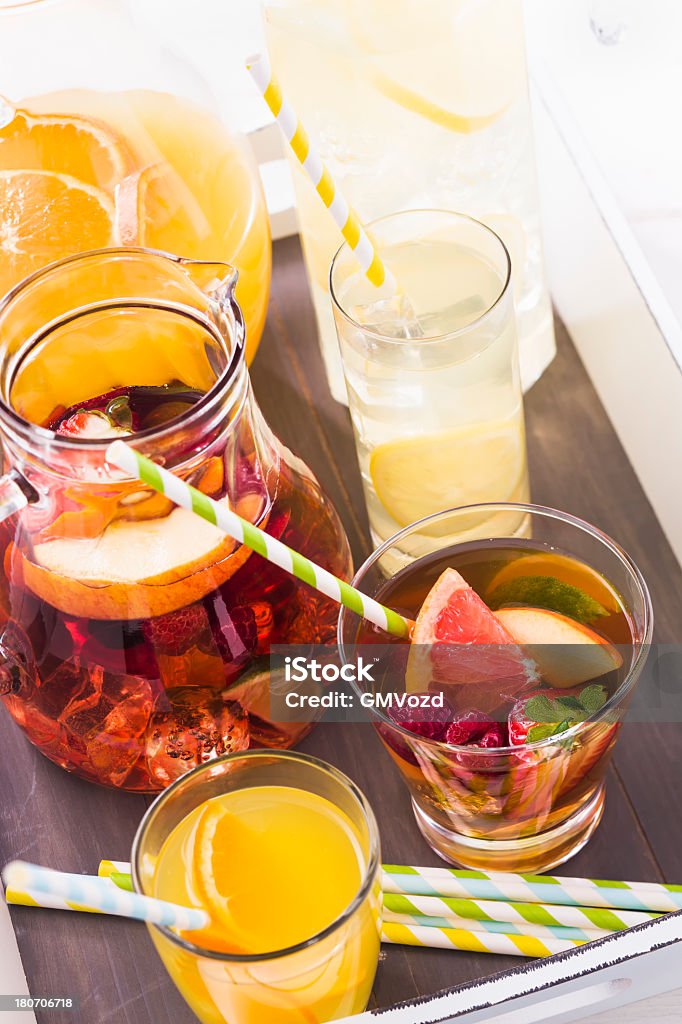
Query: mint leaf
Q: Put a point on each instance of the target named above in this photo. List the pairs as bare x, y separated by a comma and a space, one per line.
542, 709
540, 732
593, 697
572, 703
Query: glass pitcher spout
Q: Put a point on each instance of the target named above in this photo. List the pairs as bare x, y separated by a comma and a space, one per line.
216, 280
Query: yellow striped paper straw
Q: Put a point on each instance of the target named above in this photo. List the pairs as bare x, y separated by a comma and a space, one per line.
474, 942
319, 174
183, 494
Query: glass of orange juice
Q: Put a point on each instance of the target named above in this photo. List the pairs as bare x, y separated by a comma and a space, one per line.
282, 851
106, 141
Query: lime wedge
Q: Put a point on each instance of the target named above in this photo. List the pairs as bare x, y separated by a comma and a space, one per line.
550, 593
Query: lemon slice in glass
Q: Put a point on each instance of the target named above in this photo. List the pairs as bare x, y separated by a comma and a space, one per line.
467, 75
414, 477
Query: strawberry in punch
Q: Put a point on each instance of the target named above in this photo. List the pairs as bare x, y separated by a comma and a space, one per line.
136, 636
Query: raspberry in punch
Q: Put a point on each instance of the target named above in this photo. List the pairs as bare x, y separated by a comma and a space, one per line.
535, 638
136, 635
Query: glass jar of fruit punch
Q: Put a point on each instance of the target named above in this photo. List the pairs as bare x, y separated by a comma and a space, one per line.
134, 634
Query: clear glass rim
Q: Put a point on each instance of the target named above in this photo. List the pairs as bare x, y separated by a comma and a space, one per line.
206, 403
642, 647
432, 339
288, 755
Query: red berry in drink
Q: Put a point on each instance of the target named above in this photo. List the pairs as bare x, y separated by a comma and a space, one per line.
466, 728
519, 724
429, 722
90, 426
176, 632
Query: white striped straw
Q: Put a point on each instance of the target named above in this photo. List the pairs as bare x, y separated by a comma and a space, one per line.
474, 942
183, 494
32, 885
312, 163
549, 889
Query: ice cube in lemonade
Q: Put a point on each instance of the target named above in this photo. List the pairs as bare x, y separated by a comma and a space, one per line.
86, 169
525, 643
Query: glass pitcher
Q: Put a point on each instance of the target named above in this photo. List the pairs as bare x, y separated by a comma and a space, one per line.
106, 140
135, 635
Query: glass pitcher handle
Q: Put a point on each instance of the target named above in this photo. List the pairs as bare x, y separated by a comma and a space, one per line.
15, 493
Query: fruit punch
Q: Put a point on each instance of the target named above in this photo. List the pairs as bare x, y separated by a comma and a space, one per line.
532, 651
136, 635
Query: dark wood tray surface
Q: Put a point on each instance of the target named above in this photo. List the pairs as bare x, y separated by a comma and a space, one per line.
577, 464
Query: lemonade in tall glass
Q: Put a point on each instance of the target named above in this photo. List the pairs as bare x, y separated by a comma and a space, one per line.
432, 373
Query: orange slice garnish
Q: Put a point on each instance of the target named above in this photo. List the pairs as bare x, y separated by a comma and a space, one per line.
46, 216
214, 837
79, 147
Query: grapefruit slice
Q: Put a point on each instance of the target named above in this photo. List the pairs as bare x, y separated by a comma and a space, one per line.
134, 568
458, 642
566, 652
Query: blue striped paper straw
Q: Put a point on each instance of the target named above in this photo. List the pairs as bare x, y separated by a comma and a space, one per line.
45, 887
572, 892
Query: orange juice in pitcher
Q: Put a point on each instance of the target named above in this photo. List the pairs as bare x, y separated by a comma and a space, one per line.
104, 141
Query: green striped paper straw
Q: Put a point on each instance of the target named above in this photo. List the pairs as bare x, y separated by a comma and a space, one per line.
130, 461
545, 889
32, 885
544, 921
505, 915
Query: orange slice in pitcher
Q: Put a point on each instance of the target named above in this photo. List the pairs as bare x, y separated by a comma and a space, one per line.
134, 569
79, 147
45, 216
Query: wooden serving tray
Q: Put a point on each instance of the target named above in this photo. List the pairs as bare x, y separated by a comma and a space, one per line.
577, 464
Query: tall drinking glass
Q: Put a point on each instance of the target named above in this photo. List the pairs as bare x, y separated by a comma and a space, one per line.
326, 977
437, 410
511, 800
